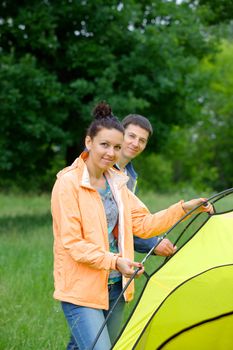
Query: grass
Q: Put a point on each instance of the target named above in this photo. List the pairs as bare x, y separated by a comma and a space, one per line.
30, 317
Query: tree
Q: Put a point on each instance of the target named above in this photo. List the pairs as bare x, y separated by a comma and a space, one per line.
30, 115
219, 112
204, 152
139, 56
215, 11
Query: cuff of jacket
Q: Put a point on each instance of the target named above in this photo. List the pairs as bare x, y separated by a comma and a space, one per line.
113, 262
181, 203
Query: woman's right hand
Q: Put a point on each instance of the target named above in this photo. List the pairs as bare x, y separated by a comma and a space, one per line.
126, 267
206, 207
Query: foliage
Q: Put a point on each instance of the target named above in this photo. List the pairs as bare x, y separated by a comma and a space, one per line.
191, 159
219, 116
203, 153
216, 11
30, 115
64, 56
156, 173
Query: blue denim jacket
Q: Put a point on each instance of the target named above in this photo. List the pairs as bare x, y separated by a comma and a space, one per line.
140, 245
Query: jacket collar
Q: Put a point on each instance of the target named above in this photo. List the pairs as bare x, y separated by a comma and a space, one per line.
75, 165
114, 176
117, 177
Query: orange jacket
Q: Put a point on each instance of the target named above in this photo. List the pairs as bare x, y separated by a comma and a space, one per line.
82, 260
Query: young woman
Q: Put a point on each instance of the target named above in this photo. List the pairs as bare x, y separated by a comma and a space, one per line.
94, 219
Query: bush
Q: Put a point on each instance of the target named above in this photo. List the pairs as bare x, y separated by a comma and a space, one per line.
155, 173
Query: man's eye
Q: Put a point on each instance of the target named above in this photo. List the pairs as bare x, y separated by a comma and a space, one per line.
104, 144
118, 148
132, 136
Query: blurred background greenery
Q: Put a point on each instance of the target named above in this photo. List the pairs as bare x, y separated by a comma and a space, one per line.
168, 60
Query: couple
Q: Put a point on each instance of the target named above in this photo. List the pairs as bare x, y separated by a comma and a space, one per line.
95, 216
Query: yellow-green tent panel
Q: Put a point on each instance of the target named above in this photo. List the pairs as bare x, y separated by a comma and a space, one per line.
196, 284
202, 298
214, 334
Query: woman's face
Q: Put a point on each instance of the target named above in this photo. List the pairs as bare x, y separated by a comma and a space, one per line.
104, 148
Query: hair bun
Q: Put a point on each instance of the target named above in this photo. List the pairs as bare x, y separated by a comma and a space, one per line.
102, 110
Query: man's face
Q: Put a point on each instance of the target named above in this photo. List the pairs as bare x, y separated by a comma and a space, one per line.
135, 140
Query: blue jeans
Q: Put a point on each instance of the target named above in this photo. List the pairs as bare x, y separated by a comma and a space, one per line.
85, 322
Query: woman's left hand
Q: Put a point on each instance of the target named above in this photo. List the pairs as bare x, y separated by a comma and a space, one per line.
206, 207
127, 267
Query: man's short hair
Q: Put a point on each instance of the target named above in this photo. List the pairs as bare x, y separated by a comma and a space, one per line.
137, 119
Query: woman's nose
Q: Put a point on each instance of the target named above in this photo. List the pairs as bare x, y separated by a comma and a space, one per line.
111, 152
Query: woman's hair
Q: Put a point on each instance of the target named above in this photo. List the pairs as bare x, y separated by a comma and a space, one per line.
103, 119
137, 119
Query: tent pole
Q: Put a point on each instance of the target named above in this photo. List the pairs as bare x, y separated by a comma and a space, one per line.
221, 194
123, 290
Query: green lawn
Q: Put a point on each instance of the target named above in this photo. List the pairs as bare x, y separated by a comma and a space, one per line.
30, 318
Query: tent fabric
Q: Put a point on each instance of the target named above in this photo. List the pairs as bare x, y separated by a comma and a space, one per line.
201, 336
187, 303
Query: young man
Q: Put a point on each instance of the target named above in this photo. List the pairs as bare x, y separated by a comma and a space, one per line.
138, 129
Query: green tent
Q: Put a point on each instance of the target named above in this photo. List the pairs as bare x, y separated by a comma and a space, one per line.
187, 303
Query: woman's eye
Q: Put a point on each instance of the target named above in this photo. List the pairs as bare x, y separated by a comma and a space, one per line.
118, 148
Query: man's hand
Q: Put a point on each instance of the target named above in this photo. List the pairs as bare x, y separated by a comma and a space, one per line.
165, 248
